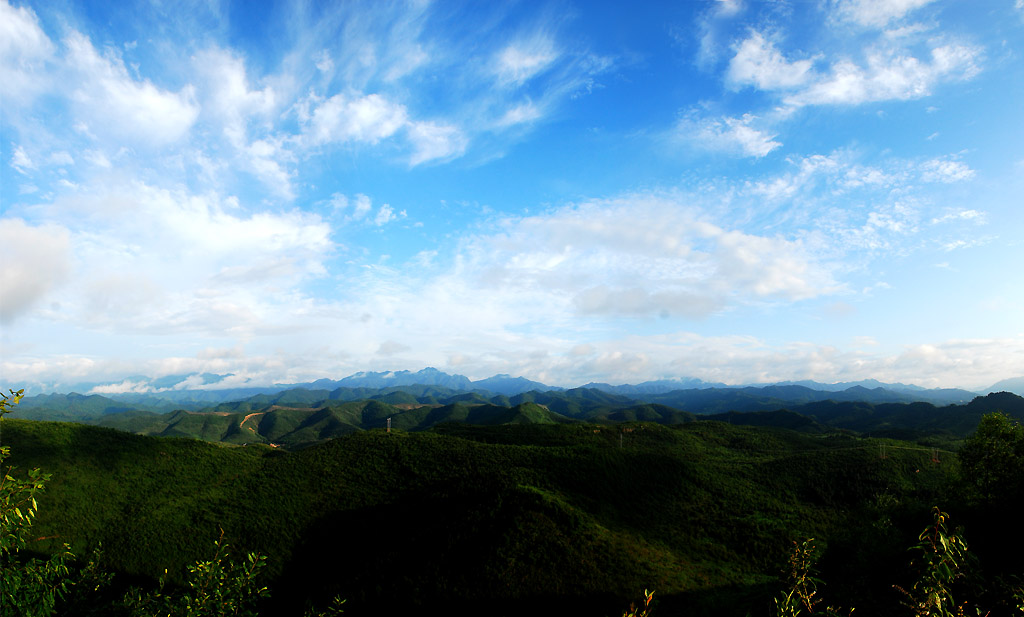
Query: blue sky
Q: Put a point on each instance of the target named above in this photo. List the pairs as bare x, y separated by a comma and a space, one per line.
567, 191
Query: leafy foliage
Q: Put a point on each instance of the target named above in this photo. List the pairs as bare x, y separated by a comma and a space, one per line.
644, 609
940, 562
216, 587
993, 458
33, 586
801, 597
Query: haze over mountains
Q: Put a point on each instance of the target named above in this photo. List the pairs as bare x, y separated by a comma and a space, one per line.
213, 387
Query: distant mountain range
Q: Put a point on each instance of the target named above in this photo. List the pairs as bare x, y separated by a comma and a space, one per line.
1014, 384
197, 390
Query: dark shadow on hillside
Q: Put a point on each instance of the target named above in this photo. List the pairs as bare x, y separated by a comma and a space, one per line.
474, 546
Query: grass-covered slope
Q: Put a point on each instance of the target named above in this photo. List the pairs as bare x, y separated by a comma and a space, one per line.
504, 518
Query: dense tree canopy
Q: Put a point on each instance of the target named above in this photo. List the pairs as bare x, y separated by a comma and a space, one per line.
992, 459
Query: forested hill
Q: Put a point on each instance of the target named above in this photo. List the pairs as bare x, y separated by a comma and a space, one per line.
300, 417
509, 519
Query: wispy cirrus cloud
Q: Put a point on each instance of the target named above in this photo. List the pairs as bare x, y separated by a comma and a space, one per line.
731, 135
521, 60
373, 88
25, 53
503, 81
875, 13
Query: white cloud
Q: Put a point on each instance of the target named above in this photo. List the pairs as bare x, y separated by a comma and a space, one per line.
710, 26
733, 135
532, 280
858, 176
245, 116
962, 215
757, 62
174, 254
741, 359
265, 157
152, 260
890, 74
324, 63
854, 212
21, 162
361, 206
354, 209
97, 159
386, 214
642, 255
637, 301
228, 92
728, 8
523, 113
61, 158
876, 13
946, 171
24, 51
491, 86
35, 261
390, 348
368, 45
787, 185
435, 142
343, 118
108, 96
21, 38
124, 387
204, 224
519, 62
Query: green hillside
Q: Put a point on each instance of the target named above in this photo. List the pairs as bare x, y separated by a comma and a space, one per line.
297, 427
528, 514
300, 417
